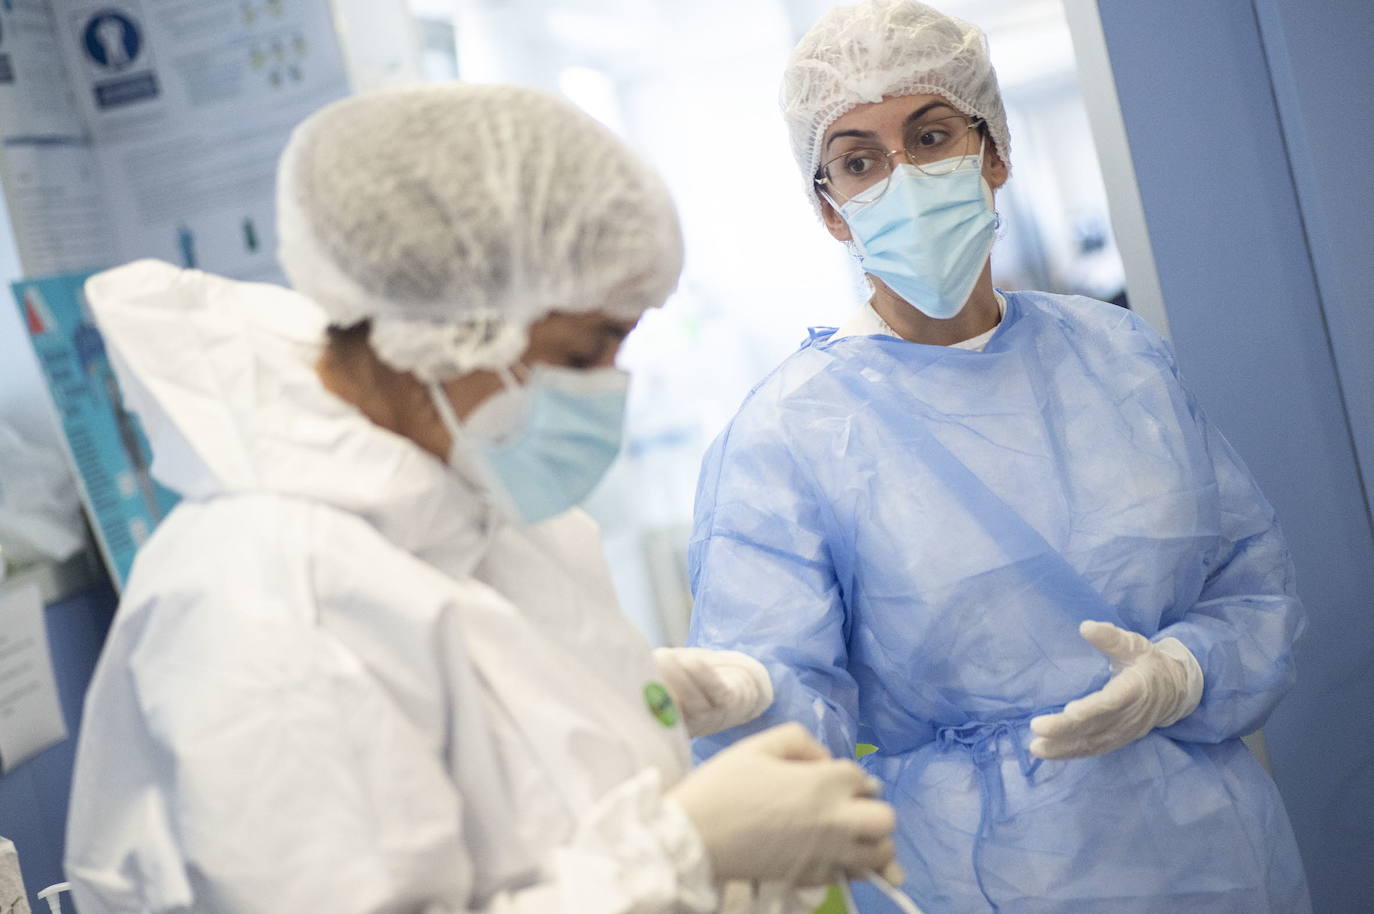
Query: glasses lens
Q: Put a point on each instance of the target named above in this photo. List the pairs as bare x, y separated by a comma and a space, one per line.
859, 174
950, 165
943, 145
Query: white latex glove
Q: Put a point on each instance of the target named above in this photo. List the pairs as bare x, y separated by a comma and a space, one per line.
777, 807
1152, 685
716, 690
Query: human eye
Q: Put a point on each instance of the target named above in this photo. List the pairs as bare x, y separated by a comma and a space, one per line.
933, 136
582, 361
859, 162
590, 353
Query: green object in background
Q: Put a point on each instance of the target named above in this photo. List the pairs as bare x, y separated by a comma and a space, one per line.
833, 903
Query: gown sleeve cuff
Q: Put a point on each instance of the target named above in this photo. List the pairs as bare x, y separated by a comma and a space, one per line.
1192, 697
637, 852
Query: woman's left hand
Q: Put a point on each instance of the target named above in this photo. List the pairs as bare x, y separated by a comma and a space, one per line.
1152, 685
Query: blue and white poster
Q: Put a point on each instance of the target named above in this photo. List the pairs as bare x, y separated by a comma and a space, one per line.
189, 103
6, 64
107, 447
113, 44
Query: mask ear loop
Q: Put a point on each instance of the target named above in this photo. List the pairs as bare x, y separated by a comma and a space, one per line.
444, 407
452, 424
982, 149
499, 502
852, 245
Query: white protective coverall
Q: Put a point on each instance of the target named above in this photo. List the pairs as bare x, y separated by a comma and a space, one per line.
336, 683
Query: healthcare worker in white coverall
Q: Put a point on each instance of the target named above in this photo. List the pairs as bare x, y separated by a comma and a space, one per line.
372, 662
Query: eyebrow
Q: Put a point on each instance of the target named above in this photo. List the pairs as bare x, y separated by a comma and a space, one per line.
910, 119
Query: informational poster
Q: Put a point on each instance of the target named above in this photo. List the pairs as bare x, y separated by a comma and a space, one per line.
189, 104
106, 443
30, 714
152, 128
48, 168
133, 129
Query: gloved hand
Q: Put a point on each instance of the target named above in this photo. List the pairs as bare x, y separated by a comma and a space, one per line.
716, 690
1152, 685
776, 806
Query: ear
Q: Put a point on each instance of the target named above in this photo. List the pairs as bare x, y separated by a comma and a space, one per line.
994, 169
834, 222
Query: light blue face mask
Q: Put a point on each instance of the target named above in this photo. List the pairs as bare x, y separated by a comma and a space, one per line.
547, 443
928, 236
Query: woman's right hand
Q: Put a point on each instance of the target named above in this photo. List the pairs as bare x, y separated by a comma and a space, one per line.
776, 806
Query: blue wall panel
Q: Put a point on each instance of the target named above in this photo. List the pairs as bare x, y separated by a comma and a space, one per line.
1319, 59
1245, 302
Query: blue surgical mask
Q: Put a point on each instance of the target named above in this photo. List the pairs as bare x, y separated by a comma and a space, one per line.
927, 237
546, 443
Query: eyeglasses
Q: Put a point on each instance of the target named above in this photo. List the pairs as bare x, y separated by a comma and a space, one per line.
936, 147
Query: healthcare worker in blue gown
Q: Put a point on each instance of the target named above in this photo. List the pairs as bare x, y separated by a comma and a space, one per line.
994, 535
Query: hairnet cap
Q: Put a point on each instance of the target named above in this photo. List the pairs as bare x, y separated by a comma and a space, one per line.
879, 49
454, 216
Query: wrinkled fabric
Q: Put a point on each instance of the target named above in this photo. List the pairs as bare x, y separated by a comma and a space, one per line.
908, 537
335, 682
867, 322
454, 215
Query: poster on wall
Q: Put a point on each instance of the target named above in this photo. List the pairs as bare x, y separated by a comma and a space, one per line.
48, 166
133, 129
152, 128
189, 104
106, 445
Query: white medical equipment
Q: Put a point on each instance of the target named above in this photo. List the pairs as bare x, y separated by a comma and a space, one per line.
53, 896
895, 895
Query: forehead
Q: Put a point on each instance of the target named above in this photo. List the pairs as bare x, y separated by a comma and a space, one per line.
886, 115
562, 324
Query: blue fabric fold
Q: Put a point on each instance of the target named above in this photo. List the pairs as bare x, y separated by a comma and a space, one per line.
983, 741
908, 537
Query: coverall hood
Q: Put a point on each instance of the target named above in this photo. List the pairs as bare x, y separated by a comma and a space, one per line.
221, 374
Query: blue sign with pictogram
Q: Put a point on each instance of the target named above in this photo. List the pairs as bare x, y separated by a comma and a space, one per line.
112, 39
115, 47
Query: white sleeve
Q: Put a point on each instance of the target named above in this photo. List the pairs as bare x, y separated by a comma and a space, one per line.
636, 854
299, 786
259, 767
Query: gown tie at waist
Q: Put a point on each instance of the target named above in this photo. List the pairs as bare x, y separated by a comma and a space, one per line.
980, 738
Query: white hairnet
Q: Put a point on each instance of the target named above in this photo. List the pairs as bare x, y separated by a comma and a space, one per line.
879, 49
453, 216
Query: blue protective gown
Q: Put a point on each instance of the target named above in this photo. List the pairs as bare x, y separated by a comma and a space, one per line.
908, 537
